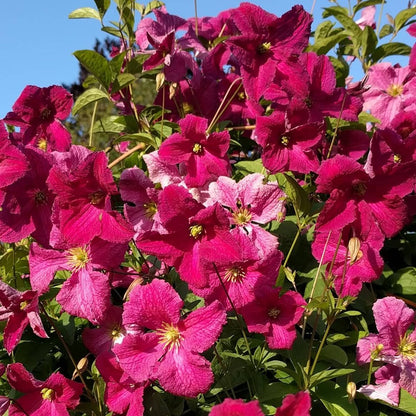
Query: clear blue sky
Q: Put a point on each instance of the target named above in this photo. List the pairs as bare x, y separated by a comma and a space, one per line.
37, 39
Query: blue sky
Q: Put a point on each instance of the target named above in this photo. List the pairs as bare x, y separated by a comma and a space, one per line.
37, 39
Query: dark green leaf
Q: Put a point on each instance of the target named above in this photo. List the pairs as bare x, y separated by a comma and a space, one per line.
88, 97
386, 30
369, 41
85, 13
323, 30
116, 64
326, 375
96, 64
402, 18
404, 281
324, 45
341, 14
152, 5
111, 30
102, 6
392, 48
333, 354
122, 81
295, 193
335, 399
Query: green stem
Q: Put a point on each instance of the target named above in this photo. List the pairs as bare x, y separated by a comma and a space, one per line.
321, 345
94, 112
379, 18
370, 371
292, 247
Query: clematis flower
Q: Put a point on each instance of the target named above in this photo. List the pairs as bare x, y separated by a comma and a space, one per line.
203, 156
230, 407
394, 344
164, 346
53, 396
391, 91
274, 316
252, 203
27, 202
82, 209
20, 309
122, 394
297, 404
38, 112
189, 225
87, 291
367, 17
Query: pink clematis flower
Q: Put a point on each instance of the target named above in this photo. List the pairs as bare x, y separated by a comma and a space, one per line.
297, 404
20, 309
82, 210
391, 91
38, 112
367, 17
203, 156
164, 346
53, 396
87, 292
394, 345
274, 316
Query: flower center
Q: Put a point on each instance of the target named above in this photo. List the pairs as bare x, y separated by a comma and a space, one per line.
407, 348
359, 188
169, 336
395, 90
77, 258
40, 198
96, 197
234, 275
47, 394
264, 48
150, 209
187, 108
397, 158
241, 216
42, 144
354, 252
284, 140
45, 114
197, 148
23, 305
196, 230
273, 313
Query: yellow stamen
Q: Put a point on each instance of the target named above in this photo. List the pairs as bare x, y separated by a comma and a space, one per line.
96, 197
43, 144
169, 336
196, 230
397, 158
77, 258
150, 209
234, 275
407, 348
273, 313
47, 394
23, 305
242, 216
395, 90
197, 148
284, 140
264, 48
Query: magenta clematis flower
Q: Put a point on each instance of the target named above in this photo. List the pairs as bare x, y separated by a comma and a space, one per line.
354, 253
391, 91
20, 309
53, 396
164, 346
38, 112
240, 267
27, 202
13, 163
367, 17
82, 210
122, 394
231, 407
289, 143
87, 292
394, 345
274, 316
204, 156
352, 191
297, 404
189, 225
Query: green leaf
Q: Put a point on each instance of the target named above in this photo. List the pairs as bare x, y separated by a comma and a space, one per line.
326, 375
333, 354
122, 81
369, 41
388, 49
366, 3
402, 18
323, 30
341, 14
324, 45
88, 97
250, 166
85, 13
386, 30
335, 399
96, 64
404, 281
115, 125
295, 193
152, 5
116, 64
111, 30
407, 402
102, 6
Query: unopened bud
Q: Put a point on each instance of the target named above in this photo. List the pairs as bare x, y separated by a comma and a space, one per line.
160, 80
351, 391
133, 284
172, 89
82, 365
